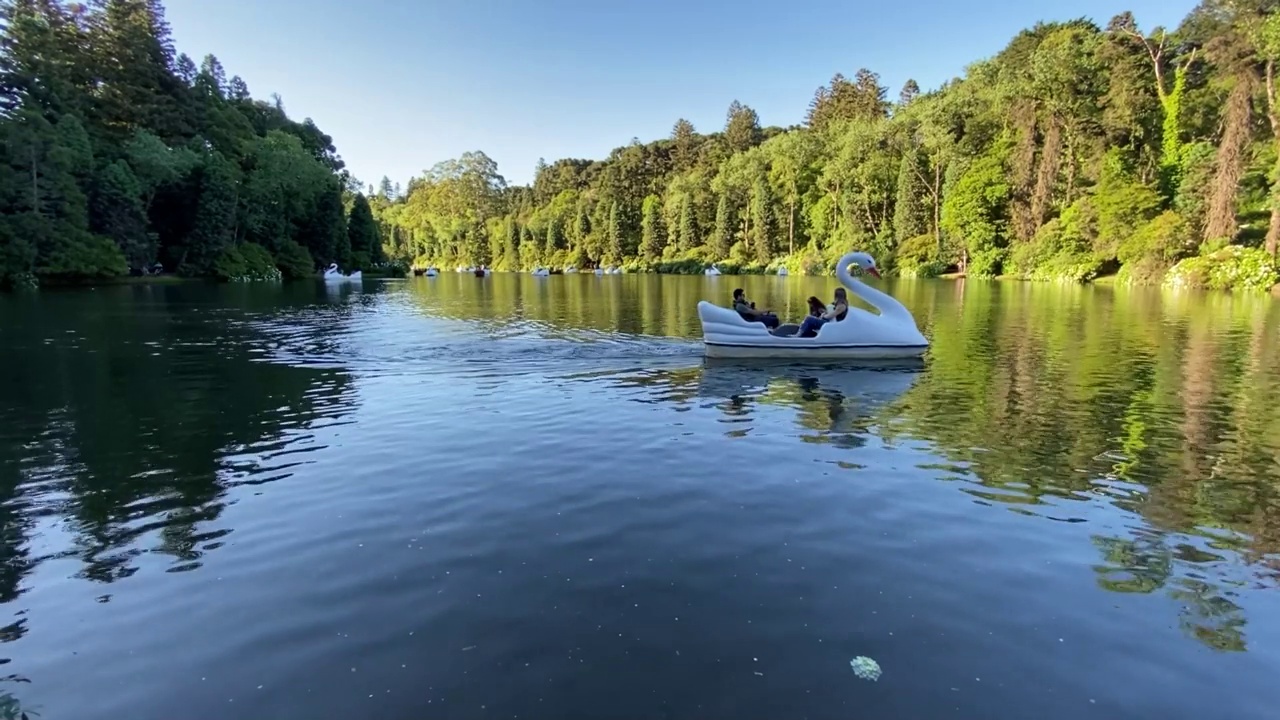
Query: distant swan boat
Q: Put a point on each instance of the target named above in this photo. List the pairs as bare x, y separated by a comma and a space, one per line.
333, 275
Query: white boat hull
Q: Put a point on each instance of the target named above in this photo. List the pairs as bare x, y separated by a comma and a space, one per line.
353, 277
803, 349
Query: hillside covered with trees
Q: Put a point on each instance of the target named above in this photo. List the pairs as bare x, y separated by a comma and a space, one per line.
116, 154
1077, 151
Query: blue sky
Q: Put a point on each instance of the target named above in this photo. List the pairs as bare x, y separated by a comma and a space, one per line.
403, 84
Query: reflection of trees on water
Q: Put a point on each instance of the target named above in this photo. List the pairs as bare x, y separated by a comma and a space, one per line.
127, 412
1165, 405
1162, 404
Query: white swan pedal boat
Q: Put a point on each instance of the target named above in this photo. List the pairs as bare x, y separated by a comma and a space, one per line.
861, 335
333, 275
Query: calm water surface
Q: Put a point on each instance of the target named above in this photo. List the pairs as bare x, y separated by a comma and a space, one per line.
532, 498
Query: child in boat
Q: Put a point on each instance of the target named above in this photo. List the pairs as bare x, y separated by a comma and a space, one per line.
839, 308
747, 310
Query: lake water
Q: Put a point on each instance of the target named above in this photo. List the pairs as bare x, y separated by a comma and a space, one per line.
517, 497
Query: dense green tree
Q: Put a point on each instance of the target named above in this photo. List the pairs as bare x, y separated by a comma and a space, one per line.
213, 230
910, 91
763, 230
324, 229
555, 241
688, 226
910, 216
118, 151
722, 233
117, 212
684, 145
741, 127
1074, 147
859, 99
976, 212
653, 236
362, 234
614, 249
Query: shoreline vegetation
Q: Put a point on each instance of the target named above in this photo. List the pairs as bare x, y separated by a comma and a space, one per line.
1079, 152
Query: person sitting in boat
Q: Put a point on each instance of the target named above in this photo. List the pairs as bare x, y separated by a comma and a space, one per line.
816, 307
748, 311
837, 311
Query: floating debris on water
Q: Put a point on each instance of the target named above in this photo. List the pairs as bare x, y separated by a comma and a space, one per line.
865, 668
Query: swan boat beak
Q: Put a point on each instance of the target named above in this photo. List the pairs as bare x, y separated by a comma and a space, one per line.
874, 272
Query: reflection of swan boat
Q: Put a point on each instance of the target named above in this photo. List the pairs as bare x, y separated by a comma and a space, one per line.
860, 335
878, 384
838, 403
333, 275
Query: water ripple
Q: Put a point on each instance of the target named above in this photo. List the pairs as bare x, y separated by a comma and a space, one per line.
512, 498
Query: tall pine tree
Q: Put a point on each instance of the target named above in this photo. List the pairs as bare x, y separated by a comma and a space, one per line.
653, 236
910, 216
362, 234
763, 226
722, 234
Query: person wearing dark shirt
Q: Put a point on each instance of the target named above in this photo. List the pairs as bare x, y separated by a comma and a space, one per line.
746, 309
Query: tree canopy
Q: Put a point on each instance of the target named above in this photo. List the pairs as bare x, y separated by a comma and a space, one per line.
121, 155
1077, 150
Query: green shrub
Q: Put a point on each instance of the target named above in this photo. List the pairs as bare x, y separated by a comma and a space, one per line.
813, 263
245, 262
918, 257
1060, 249
1166, 237
1229, 268
987, 262
1148, 253
390, 268
294, 261
1144, 271
19, 281
679, 267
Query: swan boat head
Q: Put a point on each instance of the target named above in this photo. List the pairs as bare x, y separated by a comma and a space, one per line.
862, 260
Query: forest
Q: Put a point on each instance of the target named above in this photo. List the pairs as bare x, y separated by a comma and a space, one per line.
1076, 152
118, 156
